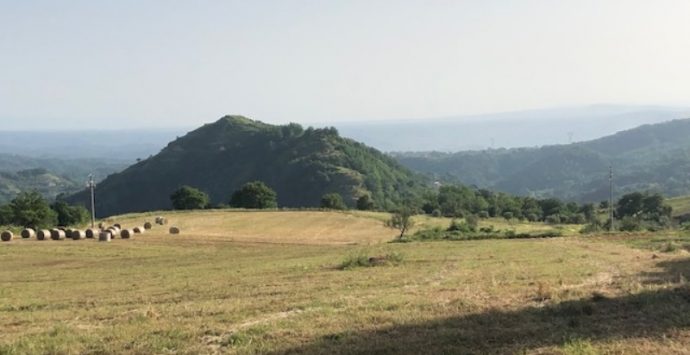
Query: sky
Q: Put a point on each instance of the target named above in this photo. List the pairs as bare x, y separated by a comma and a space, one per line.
162, 63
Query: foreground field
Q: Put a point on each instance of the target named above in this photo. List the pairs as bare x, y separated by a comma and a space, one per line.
283, 291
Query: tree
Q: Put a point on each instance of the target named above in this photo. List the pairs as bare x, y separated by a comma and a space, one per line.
649, 206
365, 203
70, 215
589, 211
254, 194
333, 201
550, 206
29, 209
189, 198
508, 215
401, 220
6, 215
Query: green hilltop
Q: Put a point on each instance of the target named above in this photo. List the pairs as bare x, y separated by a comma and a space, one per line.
300, 164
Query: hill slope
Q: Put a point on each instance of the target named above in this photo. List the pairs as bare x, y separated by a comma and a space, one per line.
301, 165
653, 157
49, 176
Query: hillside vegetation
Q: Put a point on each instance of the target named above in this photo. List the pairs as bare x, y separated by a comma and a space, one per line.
273, 282
650, 157
301, 165
50, 176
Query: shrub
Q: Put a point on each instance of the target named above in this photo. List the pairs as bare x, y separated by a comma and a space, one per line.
460, 226
630, 224
532, 217
365, 203
436, 213
553, 219
434, 233
483, 214
593, 227
669, 247
577, 219
363, 260
333, 201
472, 221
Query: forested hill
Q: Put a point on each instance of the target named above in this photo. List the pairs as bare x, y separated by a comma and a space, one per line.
300, 164
49, 176
649, 157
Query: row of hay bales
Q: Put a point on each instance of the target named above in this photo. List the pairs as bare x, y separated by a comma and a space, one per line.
103, 233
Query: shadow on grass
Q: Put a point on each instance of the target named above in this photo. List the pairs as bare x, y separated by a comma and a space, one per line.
648, 314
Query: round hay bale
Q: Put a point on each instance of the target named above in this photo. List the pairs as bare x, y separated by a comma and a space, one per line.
117, 225
164, 221
174, 230
68, 232
43, 234
91, 233
158, 219
6, 236
28, 233
57, 234
126, 234
78, 235
104, 236
114, 230
139, 230
148, 225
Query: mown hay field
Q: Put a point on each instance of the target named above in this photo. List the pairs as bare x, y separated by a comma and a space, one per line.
271, 282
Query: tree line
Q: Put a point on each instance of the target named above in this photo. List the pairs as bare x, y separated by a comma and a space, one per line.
30, 210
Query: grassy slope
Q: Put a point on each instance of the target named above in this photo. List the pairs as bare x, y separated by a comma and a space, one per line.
681, 205
199, 293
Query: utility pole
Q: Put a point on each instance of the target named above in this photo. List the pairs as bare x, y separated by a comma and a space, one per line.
91, 184
610, 198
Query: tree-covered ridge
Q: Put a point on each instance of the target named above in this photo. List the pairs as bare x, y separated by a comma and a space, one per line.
650, 157
49, 176
301, 165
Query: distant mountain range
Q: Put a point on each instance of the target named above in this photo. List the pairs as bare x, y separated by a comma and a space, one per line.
531, 128
301, 165
114, 145
649, 157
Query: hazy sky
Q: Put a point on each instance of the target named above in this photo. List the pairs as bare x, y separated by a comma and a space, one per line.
91, 63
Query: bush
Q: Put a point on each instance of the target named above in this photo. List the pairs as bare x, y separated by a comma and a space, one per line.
434, 233
363, 260
436, 213
462, 227
630, 224
365, 203
472, 221
333, 201
553, 219
532, 217
483, 214
669, 247
593, 227
576, 219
